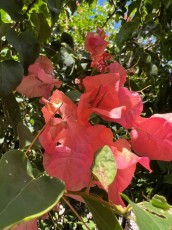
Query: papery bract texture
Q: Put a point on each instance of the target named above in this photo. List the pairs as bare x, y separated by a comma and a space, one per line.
106, 98
59, 104
92, 82
94, 43
166, 116
69, 146
40, 79
132, 107
100, 61
115, 67
126, 164
71, 161
152, 137
101, 97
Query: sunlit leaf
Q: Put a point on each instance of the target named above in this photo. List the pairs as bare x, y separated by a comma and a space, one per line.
152, 215
104, 166
23, 197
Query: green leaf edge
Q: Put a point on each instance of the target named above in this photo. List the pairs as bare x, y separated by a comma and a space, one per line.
44, 211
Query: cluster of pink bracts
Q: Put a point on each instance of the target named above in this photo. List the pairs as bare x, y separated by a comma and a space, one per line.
70, 141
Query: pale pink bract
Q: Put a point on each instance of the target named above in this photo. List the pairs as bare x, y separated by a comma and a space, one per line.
152, 137
40, 79
126, 164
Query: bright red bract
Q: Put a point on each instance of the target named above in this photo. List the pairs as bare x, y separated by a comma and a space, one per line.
94, 43
71, 139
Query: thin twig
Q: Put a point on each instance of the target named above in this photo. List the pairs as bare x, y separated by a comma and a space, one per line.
39, 133
141, 91
35, 138
109, 17
116, 208
87, 190
75, 212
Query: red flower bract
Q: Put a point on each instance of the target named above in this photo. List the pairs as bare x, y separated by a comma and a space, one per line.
105, 97
71, 143
71, 161
99, 61
115, 67
40, 80
152, 137
126, 164
101, 97
69, 147
94, 43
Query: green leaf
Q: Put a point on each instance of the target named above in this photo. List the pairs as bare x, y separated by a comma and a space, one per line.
3, 127
126, 32
66, 57
90, 1
23, 197
152, 215
167, 3
72, 5
167, 179
74, 95
103, 216
104, 166
160, 202
12, 111
11, 73
55, 7
133, 7
26, 45
67, 38
151, 69
25, 136
13, 8
4, 28
41, 25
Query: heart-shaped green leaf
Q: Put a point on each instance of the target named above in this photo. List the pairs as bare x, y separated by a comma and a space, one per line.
23, 197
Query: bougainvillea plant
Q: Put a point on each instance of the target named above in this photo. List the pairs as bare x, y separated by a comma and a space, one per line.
72, 142
80, 150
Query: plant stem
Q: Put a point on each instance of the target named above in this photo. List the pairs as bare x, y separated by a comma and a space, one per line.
39, 133
75, 212
116, 208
